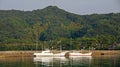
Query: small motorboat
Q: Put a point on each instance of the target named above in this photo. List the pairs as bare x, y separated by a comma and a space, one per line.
80, 54
61, 54
46, 53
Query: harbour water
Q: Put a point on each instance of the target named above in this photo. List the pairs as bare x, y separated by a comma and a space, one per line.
88, 61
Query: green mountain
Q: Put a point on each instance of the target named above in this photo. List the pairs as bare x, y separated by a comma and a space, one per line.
22, 29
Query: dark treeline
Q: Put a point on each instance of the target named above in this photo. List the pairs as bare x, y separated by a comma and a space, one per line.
51, 27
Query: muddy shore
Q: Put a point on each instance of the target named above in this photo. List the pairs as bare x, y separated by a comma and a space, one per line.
30, 53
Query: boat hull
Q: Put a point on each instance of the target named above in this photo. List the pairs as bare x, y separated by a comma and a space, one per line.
49, 54
80, 54
62, 54
43, 54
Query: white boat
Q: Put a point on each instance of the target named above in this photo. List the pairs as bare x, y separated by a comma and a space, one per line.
61, 54
46, 53
80, 54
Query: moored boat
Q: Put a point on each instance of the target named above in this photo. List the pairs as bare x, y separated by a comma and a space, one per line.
61, 54
46, 53
80, 54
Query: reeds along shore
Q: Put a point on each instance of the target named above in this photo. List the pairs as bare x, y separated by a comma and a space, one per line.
30, 53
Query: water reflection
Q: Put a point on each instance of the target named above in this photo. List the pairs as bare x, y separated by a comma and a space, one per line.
16, 62
50, 61
62, 61
106, 61
91, 61
80, 60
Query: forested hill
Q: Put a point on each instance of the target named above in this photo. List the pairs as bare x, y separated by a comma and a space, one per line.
48, 26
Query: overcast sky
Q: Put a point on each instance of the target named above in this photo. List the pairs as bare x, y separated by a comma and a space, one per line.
74, 6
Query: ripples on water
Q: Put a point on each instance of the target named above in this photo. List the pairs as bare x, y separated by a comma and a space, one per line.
89, 61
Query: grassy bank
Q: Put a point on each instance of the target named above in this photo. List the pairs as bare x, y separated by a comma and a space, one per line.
30, 53
106, 52
16, 53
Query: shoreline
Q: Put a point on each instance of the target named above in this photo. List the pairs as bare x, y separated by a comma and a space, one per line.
30, 53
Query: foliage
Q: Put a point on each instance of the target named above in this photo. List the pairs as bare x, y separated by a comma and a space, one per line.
23, 29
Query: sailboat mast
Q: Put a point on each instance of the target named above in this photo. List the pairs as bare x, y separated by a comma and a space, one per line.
36, 44
60, 48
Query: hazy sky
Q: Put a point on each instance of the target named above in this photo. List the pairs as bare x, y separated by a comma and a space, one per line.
73, 6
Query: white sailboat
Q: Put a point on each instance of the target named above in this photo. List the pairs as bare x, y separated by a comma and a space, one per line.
80, 54
43, 53
61, 54
46, 53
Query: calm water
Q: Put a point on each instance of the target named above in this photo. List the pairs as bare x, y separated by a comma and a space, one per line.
97, 61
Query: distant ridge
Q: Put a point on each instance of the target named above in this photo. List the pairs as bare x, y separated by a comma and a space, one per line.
18, 27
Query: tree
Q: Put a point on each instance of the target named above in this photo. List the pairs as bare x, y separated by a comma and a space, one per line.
38, 28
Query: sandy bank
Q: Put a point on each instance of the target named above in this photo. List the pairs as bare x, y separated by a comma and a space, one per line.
30, 53
106, 52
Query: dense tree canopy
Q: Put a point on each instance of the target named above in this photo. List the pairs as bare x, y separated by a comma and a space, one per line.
23, 29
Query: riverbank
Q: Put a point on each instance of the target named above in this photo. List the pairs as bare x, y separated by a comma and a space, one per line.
30, 53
